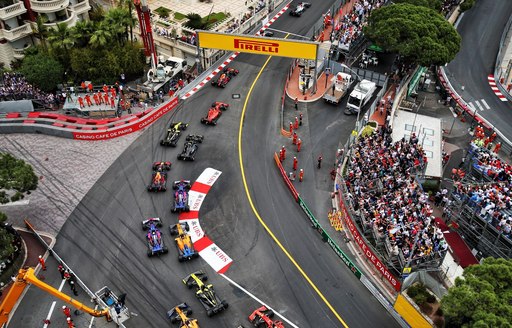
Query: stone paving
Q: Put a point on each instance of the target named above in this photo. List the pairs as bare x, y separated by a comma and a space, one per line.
67, 170
235, 7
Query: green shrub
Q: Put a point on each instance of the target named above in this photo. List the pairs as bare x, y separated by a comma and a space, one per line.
179, 16
466, 5
431, 299
17, 196
3, 198
163, 12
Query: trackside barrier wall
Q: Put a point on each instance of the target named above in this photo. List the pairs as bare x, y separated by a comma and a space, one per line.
315, 224
506, 144
366, 249
84, 129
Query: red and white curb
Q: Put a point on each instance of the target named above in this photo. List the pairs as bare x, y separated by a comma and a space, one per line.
492, 83
204, 246
232, 57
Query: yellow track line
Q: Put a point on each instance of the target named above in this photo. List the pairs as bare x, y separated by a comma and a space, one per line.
290, 257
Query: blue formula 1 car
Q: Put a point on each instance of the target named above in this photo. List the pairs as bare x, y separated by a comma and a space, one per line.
181, 196
155, 242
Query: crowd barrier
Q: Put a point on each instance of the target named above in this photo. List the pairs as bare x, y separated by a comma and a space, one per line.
315, 224
81, 128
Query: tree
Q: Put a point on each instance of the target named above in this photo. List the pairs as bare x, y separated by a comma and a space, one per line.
482, 297
194, 21
432, 4
6, 239
41, 30
101, 36
15, 174
42, 70
82, 32
418, 33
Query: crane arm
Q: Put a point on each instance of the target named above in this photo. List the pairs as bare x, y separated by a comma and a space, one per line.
26, 276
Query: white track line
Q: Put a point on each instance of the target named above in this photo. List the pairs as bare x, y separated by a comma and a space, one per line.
49, 316
485, 103
479, 106
258, 300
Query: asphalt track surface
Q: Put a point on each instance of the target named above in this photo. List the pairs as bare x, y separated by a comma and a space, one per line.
103, 240
481, 29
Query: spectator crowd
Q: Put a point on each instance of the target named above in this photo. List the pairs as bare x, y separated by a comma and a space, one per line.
16, 87
491, 200
383, 190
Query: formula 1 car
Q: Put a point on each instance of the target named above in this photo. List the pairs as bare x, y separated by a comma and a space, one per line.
159, 176
181, 196
189, 150
214, 113
180, 313
261, 318
184, 244
299, 9
205, 293
154, 237
225, 77
162, 166
173, 134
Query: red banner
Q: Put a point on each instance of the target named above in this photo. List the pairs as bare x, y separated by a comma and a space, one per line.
119, 131
367, 251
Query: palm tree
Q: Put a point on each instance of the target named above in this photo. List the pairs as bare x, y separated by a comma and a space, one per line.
41, 30
101, 36
194, 21
82, 32
119, 19
61, 38
128, 4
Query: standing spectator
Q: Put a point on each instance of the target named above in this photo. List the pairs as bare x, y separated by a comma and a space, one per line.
43, 264
319, 161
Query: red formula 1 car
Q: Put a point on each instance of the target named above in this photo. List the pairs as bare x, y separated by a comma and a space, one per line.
224, 78
214, 113
159, 176
261, 318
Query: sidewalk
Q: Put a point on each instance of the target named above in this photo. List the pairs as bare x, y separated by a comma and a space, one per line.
293, 89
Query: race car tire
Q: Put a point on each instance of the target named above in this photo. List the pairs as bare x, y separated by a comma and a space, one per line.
164, 188
269, 313
173, 231
173, 210
165, 250
189, 285
162, 143
144, 227
174, 319
210, 312
187, 208
195, 255
183, 126
150, 253
203, 121
175, 186
180, 258
149, 188
180, 158
225, 304
159, 224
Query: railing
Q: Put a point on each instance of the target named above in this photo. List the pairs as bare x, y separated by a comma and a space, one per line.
19, 53
80, 7
69, 21
12, 10
16, 33
48, 6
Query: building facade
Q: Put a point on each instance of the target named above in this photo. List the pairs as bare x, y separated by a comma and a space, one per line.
17, 22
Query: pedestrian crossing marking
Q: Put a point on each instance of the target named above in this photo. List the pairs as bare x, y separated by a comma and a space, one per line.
485, 104
480, 104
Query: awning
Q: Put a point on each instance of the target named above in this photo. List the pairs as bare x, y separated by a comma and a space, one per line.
415, 80
376, 48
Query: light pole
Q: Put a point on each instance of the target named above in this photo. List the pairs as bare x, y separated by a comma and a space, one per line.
358, 78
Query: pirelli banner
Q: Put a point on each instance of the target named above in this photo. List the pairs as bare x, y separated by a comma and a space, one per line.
258, 45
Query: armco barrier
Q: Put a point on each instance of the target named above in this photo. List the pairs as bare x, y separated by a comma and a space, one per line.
367, 251
285, 178
315, 224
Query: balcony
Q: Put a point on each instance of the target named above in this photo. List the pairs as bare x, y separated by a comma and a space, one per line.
81, 7
48, 6
70, 21
12, 11
16, 33
19, 53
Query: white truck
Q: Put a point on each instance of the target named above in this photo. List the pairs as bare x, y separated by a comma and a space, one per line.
338, 89
361, 94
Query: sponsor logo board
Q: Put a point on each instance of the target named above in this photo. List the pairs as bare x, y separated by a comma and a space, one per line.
258, 45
